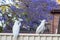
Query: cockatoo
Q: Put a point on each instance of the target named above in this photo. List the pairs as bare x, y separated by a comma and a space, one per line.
0, 24
41, 27
16, 28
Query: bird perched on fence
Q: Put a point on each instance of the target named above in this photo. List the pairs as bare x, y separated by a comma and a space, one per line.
16, 28
41, 27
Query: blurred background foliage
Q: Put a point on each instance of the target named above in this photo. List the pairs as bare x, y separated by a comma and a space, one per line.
31, 11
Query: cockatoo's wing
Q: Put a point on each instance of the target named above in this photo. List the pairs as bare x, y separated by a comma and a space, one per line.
41, 27
16, 29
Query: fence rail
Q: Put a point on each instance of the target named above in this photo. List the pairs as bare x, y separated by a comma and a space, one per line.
9, 36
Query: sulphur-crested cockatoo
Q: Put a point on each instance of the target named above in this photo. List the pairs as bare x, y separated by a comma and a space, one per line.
16, 28
41, 27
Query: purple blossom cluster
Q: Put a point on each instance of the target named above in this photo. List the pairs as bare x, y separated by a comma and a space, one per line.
35, 10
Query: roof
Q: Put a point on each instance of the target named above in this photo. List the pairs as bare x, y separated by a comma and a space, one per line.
56, 10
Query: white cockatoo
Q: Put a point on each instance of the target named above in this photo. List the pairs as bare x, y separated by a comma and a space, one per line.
16, 28
41, 27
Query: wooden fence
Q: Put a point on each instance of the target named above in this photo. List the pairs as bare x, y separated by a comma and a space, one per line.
9, 36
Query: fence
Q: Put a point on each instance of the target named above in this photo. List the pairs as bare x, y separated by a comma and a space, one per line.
9, 36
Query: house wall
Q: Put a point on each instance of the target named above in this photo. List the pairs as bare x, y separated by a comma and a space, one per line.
56, 22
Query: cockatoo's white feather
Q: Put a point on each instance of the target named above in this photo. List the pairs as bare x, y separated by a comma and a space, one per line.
16, 28
41, 27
